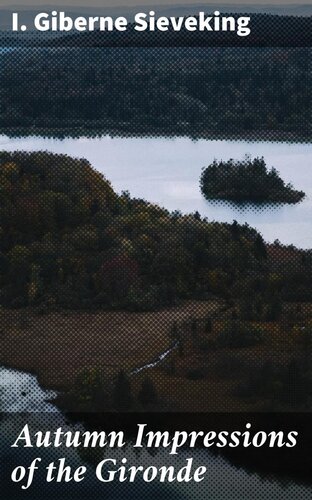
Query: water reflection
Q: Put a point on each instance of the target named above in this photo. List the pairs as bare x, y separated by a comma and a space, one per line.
222, 480
166, 171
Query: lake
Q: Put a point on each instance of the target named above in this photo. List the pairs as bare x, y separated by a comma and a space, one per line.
166, 171
24, 401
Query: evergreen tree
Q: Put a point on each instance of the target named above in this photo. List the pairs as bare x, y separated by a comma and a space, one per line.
148, 394
122, 396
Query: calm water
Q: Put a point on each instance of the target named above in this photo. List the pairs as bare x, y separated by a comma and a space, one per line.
20, 392
166, 171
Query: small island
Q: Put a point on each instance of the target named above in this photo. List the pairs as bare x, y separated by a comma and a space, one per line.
246, 181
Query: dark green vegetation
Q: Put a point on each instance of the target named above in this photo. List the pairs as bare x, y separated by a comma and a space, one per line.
93, 393
239, 334
237, 364
68, 240
227, 91
248, 180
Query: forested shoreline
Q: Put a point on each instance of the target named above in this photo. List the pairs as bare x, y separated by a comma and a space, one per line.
215, 91
93, 283
68, 240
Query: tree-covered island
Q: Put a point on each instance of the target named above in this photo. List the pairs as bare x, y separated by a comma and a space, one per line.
95, 285
67, 239
249, 180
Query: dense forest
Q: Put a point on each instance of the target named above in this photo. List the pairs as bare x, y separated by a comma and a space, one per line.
66, 237
247, 180
68, 240
217, 91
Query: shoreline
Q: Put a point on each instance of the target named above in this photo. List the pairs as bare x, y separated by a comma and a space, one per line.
57, 346
76, 132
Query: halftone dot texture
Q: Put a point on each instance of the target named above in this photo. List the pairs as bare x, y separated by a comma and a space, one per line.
99, 290
265, 31
229, 475
255, 93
